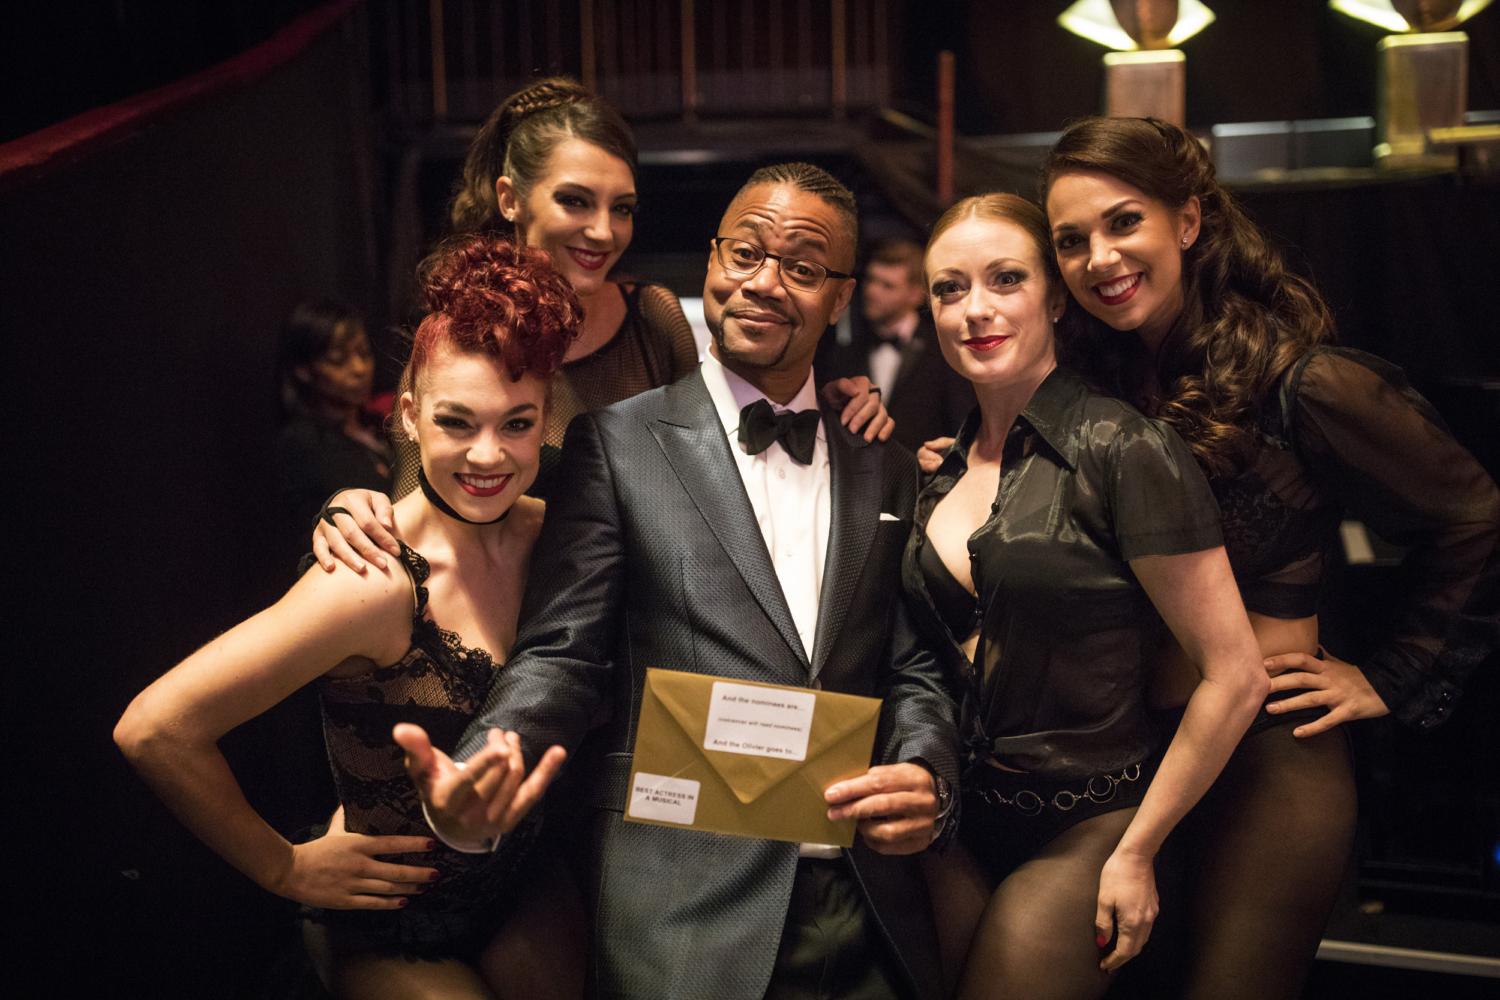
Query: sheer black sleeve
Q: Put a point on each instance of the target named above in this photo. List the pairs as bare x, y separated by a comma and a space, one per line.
1380, 449
664, 317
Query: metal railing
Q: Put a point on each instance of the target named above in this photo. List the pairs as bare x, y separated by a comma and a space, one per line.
454, 60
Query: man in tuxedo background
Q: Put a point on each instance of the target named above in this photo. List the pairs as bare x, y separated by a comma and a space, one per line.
726, 525
896, 346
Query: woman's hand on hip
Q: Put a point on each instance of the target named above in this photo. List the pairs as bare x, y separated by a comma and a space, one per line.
364, 530
341, 870
1340, 687
1127, 907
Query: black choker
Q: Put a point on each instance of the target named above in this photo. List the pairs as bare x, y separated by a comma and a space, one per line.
442, 505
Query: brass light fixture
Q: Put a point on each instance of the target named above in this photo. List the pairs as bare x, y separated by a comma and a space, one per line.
1146, 75
1424, 77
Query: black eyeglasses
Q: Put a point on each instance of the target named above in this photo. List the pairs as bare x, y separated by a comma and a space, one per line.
796, 272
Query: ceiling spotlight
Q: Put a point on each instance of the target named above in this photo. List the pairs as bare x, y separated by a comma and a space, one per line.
1145, 76
1411, 15
1424, 77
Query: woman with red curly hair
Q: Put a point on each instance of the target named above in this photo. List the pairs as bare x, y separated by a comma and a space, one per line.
415, 641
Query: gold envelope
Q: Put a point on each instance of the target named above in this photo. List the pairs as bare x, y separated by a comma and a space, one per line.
748, 794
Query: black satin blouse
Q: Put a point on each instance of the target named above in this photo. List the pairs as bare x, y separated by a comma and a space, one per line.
1086, 484
1346, 436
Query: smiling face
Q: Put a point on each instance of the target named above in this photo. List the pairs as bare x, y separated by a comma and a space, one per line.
480, 434
1120, 250
581, 211
756, 321
990, 302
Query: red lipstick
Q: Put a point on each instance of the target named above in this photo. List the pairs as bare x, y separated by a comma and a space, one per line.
587, 259
482, 486
985, 343
1121, 295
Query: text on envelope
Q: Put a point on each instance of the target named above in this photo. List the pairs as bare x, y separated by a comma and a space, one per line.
765, 722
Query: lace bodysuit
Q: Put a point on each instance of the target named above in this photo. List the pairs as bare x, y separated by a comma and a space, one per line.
1347, 436
440, 685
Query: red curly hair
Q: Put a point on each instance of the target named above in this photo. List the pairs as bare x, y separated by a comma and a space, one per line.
485, 294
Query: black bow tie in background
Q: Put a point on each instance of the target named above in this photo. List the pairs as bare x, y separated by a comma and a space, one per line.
798, 432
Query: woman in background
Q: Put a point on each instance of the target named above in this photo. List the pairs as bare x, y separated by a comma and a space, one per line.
1062, 535
329, 438
418, 642
1181, 307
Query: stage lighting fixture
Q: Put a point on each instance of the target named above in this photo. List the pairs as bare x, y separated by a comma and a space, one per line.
1145, 76
1424, 77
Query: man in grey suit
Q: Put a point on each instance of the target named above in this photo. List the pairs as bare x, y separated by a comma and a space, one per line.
724, 525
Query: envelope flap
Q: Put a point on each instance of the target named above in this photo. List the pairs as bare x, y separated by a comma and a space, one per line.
686, 697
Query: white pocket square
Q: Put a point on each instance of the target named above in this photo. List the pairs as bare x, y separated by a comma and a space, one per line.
888, 517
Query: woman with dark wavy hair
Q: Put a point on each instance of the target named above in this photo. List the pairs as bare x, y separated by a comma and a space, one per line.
395, 913
1182, 307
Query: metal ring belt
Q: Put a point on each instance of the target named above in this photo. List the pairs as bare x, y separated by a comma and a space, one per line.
1099, 789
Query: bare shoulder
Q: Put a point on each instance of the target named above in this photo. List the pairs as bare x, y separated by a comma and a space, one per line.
369, 598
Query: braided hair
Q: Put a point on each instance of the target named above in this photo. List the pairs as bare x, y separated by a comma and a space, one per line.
518, 139
1245, 320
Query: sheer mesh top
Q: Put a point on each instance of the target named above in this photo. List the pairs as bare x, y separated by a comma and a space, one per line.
653, 347
1347, 436
440, 685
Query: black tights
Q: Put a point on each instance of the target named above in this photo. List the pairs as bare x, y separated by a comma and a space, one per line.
1249, 877
1267, 848
1034, 937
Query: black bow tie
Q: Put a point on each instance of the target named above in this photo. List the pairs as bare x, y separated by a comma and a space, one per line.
797, 432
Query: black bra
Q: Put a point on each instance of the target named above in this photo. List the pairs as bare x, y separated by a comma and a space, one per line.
958, 608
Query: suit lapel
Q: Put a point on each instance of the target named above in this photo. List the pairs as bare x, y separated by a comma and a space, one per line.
692, 438
854, 474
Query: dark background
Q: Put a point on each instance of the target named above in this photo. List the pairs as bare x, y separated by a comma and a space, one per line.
141, 290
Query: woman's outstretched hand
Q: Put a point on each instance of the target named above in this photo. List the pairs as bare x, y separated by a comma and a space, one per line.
863, 407
1339, 686
1127, 905
365, 531
340, 870
483, 797
930, 455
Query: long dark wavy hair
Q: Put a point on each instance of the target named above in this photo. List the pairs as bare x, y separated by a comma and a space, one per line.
1246, 319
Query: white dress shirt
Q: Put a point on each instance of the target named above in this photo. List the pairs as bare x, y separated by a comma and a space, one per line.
793, 503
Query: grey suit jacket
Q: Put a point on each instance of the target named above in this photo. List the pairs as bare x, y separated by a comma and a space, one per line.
650, 556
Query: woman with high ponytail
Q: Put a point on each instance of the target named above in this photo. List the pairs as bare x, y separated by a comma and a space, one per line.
1181, 306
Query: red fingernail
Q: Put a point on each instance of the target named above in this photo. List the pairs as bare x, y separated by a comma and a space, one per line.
401, 902
432, 845
1101, 940
433, 877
